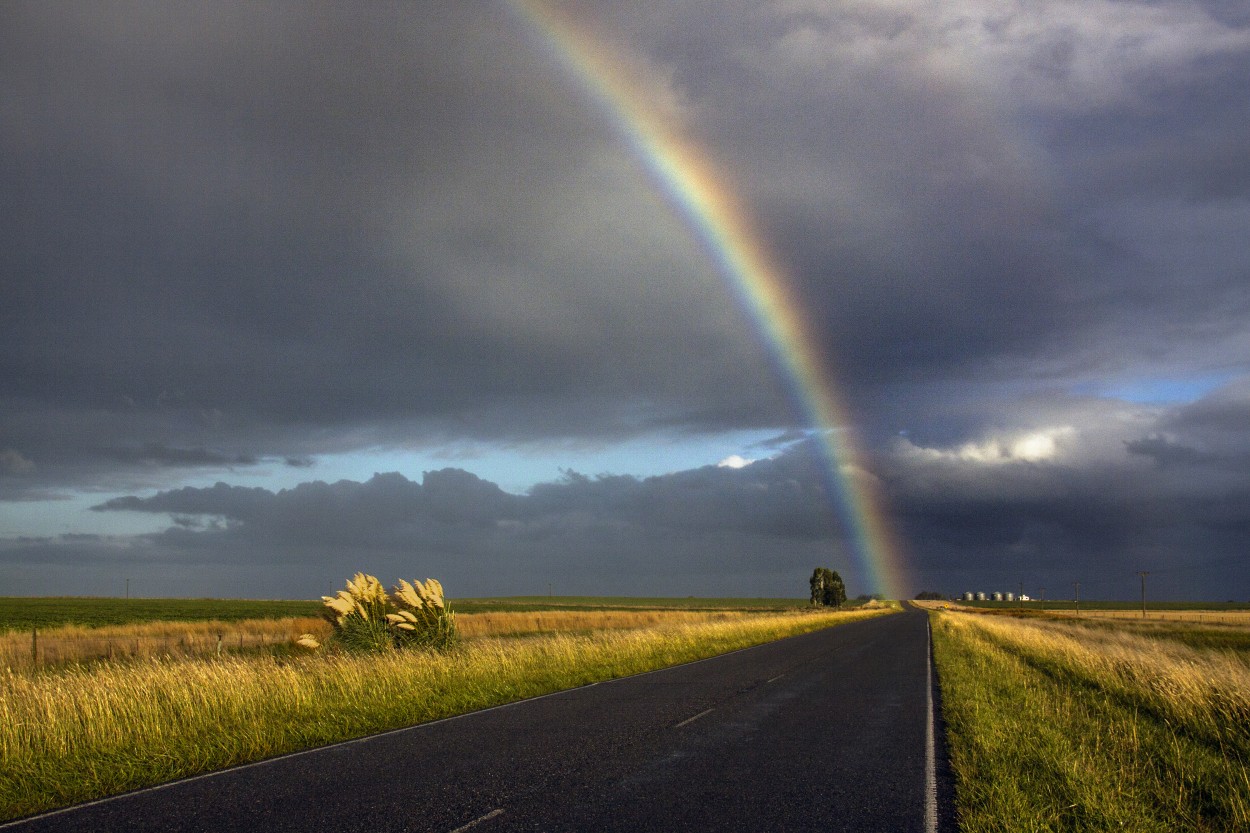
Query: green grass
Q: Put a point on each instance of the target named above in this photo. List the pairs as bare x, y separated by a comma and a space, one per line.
19, 613
1059, 726
84, 732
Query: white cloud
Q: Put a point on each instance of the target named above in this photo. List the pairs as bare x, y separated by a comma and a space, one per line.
1029, 447
734, 461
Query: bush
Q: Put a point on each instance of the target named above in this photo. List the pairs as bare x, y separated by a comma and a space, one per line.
367, 620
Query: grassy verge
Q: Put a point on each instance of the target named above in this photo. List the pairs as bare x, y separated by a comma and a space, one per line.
80, 733
1054, 726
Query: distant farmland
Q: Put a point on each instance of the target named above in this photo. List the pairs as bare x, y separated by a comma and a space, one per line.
22, 613
1068, 604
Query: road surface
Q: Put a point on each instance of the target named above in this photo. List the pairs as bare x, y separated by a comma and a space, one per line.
827, 731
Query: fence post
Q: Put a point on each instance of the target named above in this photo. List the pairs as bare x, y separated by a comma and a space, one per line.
34, 647
218, 644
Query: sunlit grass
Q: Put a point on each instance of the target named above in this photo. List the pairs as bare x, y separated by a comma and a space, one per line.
1056, 726
146, 640
81, 732
18, 613
149, 640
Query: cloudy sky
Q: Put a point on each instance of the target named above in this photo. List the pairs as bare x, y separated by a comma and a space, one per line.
290, 292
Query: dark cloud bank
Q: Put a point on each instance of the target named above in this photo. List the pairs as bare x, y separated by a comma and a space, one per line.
1042, 506
235, 236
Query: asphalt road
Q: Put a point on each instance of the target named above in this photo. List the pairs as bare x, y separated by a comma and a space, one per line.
825, 731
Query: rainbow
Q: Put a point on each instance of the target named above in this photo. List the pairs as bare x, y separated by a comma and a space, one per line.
721, 225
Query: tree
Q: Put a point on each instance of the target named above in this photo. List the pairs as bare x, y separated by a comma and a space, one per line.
828, 590
817, 582
835, 590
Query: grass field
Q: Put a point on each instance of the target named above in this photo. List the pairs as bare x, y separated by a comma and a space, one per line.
59, 646
47, 632
19, 613
1211, 613
1061, 724
1130, 607
80, 732
522, 603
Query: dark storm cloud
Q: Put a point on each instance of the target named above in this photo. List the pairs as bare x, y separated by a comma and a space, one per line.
234, 235
705, 530
163, 455
974, 190
1082, 490
344, 220
1050, 496
362, 222
1165, 452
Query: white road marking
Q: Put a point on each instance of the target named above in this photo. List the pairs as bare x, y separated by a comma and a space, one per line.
930, 768
774, 679
478, 821
693, 719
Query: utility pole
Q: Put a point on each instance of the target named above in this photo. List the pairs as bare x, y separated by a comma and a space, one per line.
1143, 574
1076, 595
1020, 597
127, 589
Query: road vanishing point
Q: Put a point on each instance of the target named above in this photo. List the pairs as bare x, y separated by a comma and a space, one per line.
827, 731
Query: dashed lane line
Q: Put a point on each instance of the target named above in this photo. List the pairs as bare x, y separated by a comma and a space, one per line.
693, 719
478, 820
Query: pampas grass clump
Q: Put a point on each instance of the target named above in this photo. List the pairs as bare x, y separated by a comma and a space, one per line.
367, 620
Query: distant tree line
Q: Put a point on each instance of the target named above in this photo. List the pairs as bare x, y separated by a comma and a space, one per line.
930, 596
827, 588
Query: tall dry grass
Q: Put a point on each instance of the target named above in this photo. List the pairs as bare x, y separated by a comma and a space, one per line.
85, 731
1225, 617
513, 623
1056, 726
72, 644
